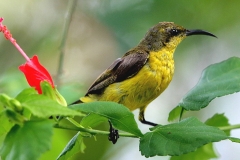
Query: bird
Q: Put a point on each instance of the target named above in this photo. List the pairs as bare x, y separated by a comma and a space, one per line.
143, 72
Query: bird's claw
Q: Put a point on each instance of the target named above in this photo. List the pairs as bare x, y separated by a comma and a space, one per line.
113, 135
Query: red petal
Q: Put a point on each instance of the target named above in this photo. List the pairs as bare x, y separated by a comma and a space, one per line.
35, 73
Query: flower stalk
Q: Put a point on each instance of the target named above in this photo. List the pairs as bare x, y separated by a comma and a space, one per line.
9, 37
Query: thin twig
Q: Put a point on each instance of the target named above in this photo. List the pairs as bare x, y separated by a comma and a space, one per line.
227, 128
70, 9
91, 131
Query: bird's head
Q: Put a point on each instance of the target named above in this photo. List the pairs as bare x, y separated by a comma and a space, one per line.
168, 34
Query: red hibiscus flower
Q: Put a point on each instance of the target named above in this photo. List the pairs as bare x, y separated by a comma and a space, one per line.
34, 72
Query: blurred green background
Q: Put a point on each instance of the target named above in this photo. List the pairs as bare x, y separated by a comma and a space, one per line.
103, 30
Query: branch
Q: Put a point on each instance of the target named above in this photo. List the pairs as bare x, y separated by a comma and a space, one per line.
226, 128
78, 127
69, 13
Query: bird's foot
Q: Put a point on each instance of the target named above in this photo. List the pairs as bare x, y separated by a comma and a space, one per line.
113, 135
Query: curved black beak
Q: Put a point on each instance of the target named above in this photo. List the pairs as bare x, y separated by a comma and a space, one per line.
199, 32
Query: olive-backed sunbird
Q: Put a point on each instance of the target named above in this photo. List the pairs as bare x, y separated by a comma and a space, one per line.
144, 72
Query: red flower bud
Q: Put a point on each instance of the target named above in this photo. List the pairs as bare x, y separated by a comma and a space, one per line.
35, 73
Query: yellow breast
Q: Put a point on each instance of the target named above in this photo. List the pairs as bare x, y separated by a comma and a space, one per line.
139, 90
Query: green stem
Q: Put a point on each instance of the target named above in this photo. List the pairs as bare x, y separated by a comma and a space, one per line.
226, 128
91, 131
181, 114
74, 122
78, 127
70, 9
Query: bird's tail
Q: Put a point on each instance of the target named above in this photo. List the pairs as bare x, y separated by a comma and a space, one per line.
77, 102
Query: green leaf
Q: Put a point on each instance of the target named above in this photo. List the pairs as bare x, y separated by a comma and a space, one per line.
4, 101
175, 113
14, 117
205, 152
119, 115
52, 93
233, 139
92, 120
5, 124
217, 80
179, 138
44, 107
218, 120
74, 146
27, 142
2, 106
26, 93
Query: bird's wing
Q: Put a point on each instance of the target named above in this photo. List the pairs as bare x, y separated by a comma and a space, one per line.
121, 69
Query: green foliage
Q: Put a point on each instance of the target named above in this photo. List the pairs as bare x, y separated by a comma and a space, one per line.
5, 124
42, 106
179, 138
121, 18
219, 120
25, 121
119, 115
206, 152
92, 120
74, 146
217, 80
28, 141
28, 137
233, 139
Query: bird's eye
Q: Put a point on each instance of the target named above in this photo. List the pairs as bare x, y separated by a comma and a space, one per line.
174, 32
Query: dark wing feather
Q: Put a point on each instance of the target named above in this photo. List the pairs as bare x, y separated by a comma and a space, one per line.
121, 69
